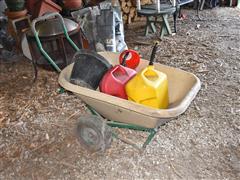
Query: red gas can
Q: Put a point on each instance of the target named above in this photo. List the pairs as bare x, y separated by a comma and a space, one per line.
114, 81
132, 59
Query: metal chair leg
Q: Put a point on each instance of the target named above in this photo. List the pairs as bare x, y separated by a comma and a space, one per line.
146, 27
165, 27
175, 21
201, 4
149, 24
34, 64
166, 24
179, 12
152, 25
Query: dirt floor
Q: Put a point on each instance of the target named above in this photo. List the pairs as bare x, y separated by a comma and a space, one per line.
37, 139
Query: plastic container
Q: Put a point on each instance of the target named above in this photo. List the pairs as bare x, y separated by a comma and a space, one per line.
88, 69
132, 60
149, 87
114, 81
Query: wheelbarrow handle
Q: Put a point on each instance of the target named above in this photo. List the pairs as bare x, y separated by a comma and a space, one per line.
43, 18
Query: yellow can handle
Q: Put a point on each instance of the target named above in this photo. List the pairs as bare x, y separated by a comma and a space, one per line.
151, 70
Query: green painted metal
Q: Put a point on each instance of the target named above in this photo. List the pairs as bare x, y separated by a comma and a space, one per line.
67, 36
45, 53
115, 135
93, 111
150, 24
42, 18
60, 90
152, 131
128, 126
165, 28
150, 137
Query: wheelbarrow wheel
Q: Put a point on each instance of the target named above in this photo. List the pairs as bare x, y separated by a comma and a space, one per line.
93, 133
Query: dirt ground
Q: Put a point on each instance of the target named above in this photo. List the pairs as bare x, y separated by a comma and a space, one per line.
37, 123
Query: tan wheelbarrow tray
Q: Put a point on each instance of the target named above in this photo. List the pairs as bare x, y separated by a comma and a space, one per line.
183, 87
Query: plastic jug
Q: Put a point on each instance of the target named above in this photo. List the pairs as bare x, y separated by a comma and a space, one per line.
149, 87
114, 81
132, 60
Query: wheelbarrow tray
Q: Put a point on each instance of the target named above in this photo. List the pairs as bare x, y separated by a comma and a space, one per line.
183, 87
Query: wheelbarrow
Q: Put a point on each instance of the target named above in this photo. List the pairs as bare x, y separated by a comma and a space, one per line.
94, 131
109, 111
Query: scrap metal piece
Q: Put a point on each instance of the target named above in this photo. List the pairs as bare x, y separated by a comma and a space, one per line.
102, 26
52, 27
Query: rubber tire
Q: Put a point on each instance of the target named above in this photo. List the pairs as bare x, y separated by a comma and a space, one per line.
93, 133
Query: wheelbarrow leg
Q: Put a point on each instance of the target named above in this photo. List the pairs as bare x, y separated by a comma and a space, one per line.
152, 131
149, 139
138, 128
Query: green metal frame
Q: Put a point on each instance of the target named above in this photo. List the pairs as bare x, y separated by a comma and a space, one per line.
151, 131
42, 18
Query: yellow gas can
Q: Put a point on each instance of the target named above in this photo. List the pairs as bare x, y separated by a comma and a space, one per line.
149, 87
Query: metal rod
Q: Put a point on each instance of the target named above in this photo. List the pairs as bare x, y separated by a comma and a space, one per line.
42, 18
128, 126
149, 139
152, 131
127, 141
46, 55
93, 111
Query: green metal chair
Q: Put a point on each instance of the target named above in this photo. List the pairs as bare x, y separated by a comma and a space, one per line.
152, 12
